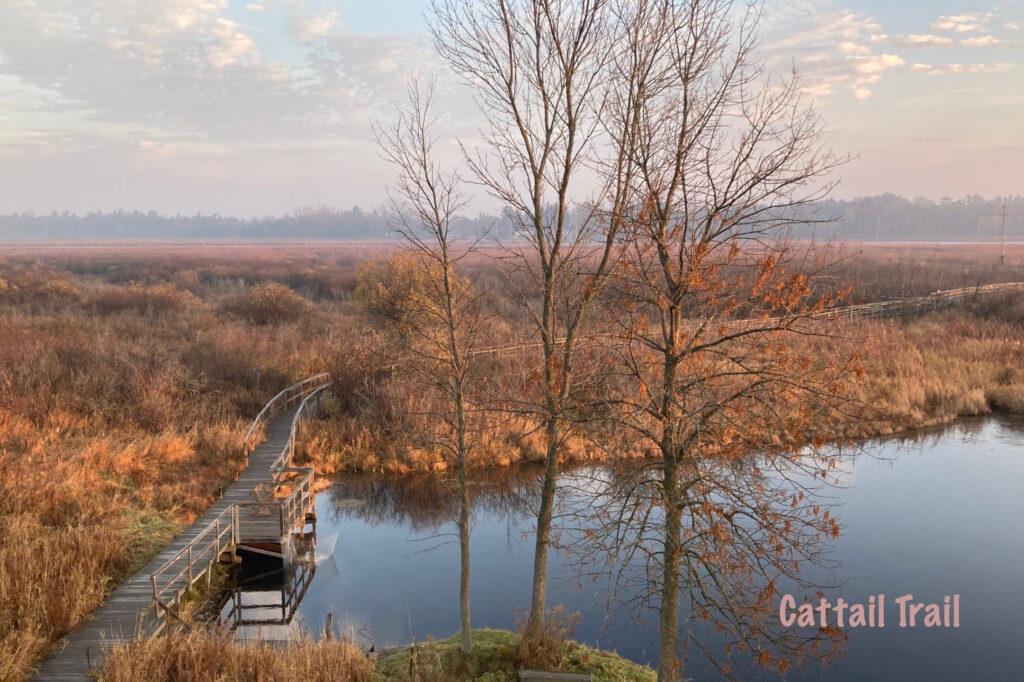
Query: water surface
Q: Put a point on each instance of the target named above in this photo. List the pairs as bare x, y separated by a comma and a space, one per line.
938, 514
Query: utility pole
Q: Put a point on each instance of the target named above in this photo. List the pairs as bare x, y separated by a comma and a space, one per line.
1002, 252
860, 254
862, 228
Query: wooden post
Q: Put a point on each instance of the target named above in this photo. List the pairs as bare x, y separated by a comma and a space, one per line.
189, 567
329, 630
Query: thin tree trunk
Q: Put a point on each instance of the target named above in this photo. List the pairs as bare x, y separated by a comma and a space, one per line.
467, 642
669, 663
543, 540
463, 457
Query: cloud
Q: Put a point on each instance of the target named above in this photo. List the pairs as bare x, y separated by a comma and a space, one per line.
985, 41
831, 49
962, 23
231, 44
947, 69
191, 70
929, 40
832, 28
836, 49
870, 70
875, 65
849, 47
305, 28
925, 40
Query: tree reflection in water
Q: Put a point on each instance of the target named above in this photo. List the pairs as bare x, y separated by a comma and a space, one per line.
610, 520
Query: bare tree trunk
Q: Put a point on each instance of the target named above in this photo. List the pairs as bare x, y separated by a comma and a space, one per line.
669, 660
543, 539
464, 620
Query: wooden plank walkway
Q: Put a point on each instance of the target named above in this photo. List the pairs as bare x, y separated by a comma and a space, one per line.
131, 605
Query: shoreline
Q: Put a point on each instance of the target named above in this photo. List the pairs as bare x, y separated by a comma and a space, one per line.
880, 436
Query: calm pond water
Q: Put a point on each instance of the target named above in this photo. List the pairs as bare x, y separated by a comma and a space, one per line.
938, 514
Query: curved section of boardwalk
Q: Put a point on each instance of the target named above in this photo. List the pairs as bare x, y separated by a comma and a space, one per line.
131, 605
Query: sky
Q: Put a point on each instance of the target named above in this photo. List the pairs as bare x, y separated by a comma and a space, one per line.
259, 107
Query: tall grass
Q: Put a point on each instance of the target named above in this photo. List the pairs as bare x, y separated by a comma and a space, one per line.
219, 658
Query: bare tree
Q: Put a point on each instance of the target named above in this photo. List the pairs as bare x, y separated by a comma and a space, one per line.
540, 71
445, 330
712, 312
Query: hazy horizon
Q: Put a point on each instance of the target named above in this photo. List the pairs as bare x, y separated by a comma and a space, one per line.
878, 218
257, 108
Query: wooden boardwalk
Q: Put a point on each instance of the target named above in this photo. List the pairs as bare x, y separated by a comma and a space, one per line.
129, 610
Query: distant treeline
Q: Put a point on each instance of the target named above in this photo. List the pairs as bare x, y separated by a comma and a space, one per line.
879, 218
893, 218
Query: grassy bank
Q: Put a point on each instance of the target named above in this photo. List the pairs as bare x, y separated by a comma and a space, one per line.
497, 657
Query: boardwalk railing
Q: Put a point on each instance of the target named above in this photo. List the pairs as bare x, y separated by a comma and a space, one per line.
279, 403
285, 458
196, 561
291, 496
911, 306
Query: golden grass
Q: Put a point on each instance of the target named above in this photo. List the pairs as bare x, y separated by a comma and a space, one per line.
940, 367
204, 657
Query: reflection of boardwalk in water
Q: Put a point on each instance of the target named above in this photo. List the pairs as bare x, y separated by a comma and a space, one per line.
264, 594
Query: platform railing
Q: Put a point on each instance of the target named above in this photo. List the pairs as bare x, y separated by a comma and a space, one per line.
274, 519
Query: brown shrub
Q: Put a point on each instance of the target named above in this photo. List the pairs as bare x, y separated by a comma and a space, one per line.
268, 304
546, 648
140, 300
1009, 398
399, 290
38, 290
